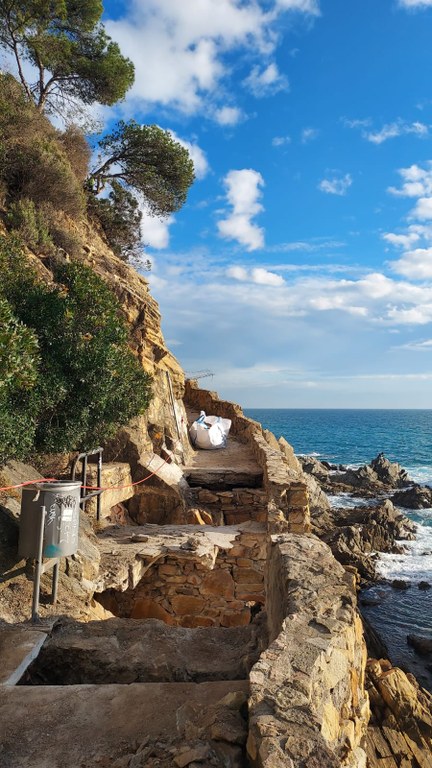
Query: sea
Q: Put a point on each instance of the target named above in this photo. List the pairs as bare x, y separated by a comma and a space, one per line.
353, 437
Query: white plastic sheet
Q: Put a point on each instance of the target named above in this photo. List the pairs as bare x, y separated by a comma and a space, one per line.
210, 432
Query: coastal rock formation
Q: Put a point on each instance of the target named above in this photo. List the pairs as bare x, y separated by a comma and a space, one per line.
376, 477
416, 497
356, 534
422, 645
400, 731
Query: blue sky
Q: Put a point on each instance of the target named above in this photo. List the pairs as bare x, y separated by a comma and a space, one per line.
300, 270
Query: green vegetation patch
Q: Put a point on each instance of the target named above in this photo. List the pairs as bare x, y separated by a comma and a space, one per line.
78, 380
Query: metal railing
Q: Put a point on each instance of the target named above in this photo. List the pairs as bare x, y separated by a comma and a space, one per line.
85, 497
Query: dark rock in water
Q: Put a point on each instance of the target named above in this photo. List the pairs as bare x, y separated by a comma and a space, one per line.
422, 645
426, 553
358, 533
400, 584
381, 475
334, 467
389, 473
369, 600
417, 497
424, 585
374, 642
314, 467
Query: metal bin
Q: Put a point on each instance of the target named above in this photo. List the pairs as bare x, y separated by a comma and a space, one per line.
61, 500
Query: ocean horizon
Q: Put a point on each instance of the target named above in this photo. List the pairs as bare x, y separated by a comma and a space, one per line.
354, 436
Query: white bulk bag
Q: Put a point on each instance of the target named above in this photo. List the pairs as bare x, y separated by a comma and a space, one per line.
210, 432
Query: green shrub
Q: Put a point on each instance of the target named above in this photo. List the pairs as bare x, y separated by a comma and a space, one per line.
120, 217
19, 361
89, 382
30, 224
34, 156
77, 150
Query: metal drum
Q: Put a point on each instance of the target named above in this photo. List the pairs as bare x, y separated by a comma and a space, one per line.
61, 500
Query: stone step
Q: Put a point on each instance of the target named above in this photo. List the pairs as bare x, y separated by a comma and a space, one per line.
140, 651
19, 646
84, 726
223, 478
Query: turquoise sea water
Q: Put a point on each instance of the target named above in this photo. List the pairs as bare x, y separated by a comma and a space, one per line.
354, 437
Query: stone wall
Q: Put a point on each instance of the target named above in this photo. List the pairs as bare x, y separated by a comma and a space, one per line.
307, 704
283, 481
185, 590
233, 507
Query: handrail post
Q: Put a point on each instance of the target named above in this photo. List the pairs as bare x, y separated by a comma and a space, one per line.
99, 484
38, 569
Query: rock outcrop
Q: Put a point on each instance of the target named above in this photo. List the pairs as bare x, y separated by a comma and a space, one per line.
356, 534
370, 479
416, 497
400, 732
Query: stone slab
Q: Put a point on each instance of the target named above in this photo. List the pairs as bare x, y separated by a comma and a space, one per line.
87, 725
96, 652
19, 646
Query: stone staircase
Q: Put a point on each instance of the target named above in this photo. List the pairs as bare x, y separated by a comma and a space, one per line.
124, 693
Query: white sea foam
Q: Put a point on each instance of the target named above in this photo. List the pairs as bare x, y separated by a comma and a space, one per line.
422, 474
416, 563
346, 501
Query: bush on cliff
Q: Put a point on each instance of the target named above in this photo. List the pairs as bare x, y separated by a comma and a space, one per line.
85, 380
120, 217
19, 361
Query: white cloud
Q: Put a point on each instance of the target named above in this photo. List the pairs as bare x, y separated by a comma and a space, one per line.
197, 154
228, 115
187, 45
309, 134
243, 194
398, 128
418, 346
356, 123
264, 277
305, 6
417, 181
281, 141
336, 186
310, 246
155, 231
257, 275
420, 315
238, 273
266, 81
416, 264
422, 209
401, 241
420, 4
